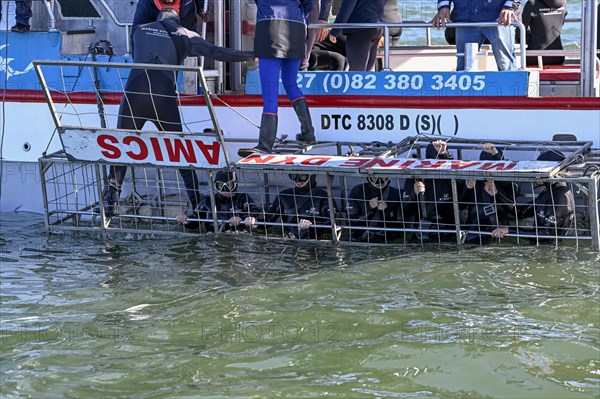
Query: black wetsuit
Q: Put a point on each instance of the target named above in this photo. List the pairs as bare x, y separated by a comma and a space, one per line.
544, 20
328, 56
150, 95
309, 202
240, 204
361, 214
554, 211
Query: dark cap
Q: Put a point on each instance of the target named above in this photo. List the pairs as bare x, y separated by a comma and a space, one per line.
551, 155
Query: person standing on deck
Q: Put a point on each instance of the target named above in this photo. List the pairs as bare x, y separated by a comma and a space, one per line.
502, 11
361, 43
150, 94
319, 14
23, 14
280, 45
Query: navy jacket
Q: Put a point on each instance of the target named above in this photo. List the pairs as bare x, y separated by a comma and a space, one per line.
146, 12
358, 11
478, 10
281, 28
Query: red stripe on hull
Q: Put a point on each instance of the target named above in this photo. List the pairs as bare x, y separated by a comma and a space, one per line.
574, 103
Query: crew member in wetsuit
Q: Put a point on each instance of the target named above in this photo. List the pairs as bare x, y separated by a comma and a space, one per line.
489, 203
305, 205
235, 211
429, 203
280, 45
553, 208
543, 20
150, 95
375, 205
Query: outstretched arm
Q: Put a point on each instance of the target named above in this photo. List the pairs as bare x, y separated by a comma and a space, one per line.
199, 46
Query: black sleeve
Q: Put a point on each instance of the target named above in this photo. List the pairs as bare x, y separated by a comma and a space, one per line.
199, 46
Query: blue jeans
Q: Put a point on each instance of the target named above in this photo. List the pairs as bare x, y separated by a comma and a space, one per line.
23, 12
499, 37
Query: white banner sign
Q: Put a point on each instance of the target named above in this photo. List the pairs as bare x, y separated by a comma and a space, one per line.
148, 148
390, 164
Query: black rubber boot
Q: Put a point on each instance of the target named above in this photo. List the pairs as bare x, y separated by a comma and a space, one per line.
266, 137
307, 131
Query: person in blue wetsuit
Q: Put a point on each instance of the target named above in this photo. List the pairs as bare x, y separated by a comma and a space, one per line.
502, 11
150, 94
280, 45
304, 206
361, 43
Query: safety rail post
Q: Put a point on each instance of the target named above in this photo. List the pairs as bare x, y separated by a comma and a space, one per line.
593, 205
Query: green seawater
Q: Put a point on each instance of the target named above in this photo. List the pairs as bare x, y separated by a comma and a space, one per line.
239, 316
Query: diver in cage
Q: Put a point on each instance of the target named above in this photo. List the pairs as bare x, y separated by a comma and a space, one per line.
376, 206
305, 205
235, 210
489, 204
150, 95
553, 209
429, 204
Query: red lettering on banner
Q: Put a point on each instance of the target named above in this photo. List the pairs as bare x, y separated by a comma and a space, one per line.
381, 162
105, 141
315, 161
406, 164
210, 151
429, 165
285, 161
458, 165
258, 159
498, 166
354, 163
143, 154
175, 149
156, 148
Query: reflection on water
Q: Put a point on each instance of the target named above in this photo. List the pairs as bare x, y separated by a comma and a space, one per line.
239, 316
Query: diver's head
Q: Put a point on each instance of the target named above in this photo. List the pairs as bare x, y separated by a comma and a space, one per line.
551, 155
225, 183
167, 10
378, 182
301, 180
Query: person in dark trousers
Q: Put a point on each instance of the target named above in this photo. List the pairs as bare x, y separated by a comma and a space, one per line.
376, 206
502, 11
23, 14
361, 43
235, 210
489, 203
319, 15
280, 45
150, 94
553, 209
543, 20
304, 206
429, 203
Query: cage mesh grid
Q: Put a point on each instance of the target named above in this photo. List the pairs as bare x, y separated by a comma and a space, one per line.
153, 201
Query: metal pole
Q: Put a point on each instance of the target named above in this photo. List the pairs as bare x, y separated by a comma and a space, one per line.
219, 24
593, 204
235, 41
588, 47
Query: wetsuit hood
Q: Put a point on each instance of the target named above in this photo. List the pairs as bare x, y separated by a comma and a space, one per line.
486, 156
312, 184
168, 14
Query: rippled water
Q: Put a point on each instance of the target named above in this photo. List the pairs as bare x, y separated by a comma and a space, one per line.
239, 316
